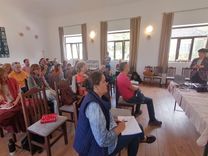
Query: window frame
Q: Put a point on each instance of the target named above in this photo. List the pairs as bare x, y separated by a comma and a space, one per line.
188, 37
71, 45
123, 42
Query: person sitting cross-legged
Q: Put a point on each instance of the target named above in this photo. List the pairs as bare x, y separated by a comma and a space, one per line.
132, 94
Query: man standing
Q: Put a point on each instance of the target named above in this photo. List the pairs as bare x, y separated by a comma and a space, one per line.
199, 74
132, 94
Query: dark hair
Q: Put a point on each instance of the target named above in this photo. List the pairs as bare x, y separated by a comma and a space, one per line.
203, 50
122, 66
94, 79
25, 60
33, 68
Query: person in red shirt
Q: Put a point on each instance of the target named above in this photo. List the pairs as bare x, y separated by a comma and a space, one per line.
81, 77
132, 94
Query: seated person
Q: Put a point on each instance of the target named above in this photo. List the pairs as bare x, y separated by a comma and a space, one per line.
81, 77
68, 73
19, 75
97, 134
7, 67
132, 94
9, 90
56, 76
36, 79
199, 74
26, 68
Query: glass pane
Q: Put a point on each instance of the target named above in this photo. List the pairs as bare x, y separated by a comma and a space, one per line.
111, 50
68, 52
184, 50
126, 52
187, 32
118, 50
119, 36
198, 44
172, 50
80, 52
74, 51
73, 39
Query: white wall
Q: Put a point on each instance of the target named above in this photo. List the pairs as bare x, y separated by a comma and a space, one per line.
150, 11
15, 21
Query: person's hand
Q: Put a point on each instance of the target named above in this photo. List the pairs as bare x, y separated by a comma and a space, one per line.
120, 127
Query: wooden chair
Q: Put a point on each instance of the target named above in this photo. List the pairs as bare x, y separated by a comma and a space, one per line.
171, 72
186, 72
62, 106
1, 132
121, 103
34, 106
76, 106
150, 77
158, 74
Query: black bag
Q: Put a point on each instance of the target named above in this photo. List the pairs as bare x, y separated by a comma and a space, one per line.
25, 143
135, 76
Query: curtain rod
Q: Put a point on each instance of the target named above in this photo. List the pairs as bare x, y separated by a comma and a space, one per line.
203, 8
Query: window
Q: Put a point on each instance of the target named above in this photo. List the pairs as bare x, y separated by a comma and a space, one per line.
186, 41
118, 44
73, 46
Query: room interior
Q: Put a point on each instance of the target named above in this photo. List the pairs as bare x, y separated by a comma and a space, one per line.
32, 30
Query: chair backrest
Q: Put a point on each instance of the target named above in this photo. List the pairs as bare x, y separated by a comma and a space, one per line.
34, 105
179, 79
158, 70
171, 71
76, 106
186, 72
64, 93
117, 92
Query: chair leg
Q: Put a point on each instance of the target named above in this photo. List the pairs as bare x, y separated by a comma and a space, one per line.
65, 133
29, 142
47, 146
206, 150
175, 106
14, 137
1, 132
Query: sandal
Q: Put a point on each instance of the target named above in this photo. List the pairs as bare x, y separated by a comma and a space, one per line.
148, 139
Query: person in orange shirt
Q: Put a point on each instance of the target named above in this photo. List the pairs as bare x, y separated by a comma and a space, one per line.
81, 77
19, 75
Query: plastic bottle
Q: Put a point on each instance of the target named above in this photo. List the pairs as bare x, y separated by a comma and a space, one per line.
11, 147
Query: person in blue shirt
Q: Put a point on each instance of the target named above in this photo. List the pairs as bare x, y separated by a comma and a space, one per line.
97, 133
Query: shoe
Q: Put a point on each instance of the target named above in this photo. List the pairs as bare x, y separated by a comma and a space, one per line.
155, 123
137, 113
148, 139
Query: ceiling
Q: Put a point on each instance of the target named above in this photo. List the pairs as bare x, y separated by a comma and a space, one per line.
60, 7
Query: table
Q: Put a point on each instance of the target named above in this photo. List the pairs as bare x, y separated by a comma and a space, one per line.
195, 105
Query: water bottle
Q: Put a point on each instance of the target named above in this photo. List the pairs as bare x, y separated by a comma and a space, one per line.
11, 147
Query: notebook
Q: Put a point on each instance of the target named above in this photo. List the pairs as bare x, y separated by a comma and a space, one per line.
132, 126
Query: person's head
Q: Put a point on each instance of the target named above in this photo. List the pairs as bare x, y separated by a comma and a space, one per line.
26, 62
3, 76
42, 61
43, 70
69, 66
35, 70
7, 67
202, 53
16, 67
124, 67
102, 68
81, 67
98, 83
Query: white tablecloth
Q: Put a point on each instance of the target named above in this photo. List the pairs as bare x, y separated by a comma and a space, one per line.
195, 105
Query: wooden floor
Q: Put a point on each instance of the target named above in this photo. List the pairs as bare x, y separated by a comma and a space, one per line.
176, 137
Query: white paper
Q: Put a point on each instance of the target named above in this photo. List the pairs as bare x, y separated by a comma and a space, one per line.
132, 126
